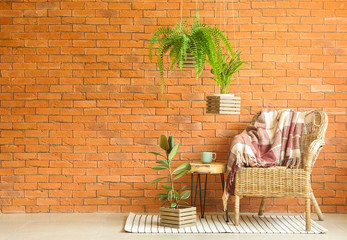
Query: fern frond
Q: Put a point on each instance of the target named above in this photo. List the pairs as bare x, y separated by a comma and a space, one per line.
157, 37
160, 62
198, 49
183, 50
175, 52
220, 35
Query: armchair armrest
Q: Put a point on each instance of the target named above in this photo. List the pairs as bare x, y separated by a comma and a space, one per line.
312, 153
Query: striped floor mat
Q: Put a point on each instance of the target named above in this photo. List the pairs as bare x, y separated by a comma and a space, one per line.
215, 224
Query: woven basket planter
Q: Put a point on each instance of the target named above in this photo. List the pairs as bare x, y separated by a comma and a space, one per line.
223, 104
178, 218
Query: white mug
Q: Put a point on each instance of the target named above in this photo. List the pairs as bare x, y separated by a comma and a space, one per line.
207, 157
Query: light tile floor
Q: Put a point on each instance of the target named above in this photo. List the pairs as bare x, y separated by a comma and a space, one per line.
105, 226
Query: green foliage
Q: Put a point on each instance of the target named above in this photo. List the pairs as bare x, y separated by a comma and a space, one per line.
166, 187
203, 42
160, 167
185, 194
157, 180
225, 68
184, 166
181, 174
155, 153
171, 195
173, 151
163, 143
171, 143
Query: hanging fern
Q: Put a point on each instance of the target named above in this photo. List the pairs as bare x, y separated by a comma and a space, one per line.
204, 42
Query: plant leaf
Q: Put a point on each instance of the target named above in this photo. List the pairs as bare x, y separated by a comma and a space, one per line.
174, 151
181, 188
166, 187
162, 195
173, 205
155, 153
157, 180
185, 194
177, 196
163, 162
183, 167
159, 167
170, 196
163, 143
181, 174
171, 143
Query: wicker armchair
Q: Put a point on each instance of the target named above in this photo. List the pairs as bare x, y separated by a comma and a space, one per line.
285, 182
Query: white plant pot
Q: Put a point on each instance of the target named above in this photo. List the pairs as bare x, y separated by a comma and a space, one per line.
229, 96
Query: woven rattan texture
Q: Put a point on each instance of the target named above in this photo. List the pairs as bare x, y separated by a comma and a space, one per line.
278, 182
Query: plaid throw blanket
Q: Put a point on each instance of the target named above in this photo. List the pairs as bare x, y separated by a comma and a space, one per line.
273, 139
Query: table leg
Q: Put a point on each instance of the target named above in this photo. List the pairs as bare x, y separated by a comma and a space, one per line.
200, 197
203, 197
191, 188
223, 186
197, 186
203, 207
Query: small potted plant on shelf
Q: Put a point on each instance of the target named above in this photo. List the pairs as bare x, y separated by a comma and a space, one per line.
227, 67
174, 214
223, 70
198, 44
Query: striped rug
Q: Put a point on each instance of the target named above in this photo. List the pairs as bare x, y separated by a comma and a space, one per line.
215, 224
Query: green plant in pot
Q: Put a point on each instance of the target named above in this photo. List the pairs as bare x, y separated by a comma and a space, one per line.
171, 216
227, 67
223, 69
203, 42
171, 195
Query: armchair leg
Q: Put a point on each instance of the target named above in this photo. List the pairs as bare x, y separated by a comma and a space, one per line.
261, 208
316, 207
237, 210
308, 214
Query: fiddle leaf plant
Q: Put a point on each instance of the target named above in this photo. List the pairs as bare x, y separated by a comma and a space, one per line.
172, 195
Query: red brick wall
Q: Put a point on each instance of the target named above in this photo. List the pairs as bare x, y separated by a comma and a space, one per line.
80, 101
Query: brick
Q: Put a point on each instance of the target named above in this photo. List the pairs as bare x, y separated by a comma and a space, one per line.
60, 193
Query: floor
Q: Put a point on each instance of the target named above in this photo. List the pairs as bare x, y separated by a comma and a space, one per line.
104, 226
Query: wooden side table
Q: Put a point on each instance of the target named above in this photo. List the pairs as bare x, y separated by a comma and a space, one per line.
199, 169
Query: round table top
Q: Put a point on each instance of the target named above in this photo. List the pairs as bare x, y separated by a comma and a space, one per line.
212, 168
